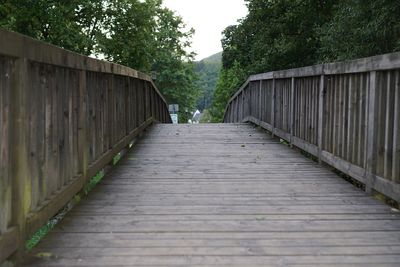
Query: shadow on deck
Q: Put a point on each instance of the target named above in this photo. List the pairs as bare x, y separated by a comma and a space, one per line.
222, 194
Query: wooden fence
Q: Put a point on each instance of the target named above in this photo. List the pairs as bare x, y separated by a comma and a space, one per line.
63, 117
347, 114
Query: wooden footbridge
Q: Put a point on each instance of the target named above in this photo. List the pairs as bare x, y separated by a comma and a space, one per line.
257, 190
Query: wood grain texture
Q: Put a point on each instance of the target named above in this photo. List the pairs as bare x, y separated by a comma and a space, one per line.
5, 177
222, 195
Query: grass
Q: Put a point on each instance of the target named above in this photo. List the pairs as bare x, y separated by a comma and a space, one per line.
284, 142
52, 222
45, 229
116, 159
93, 182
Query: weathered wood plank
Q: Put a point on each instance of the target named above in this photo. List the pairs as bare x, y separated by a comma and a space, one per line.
21, 184
5, 149
371, 131
8, 243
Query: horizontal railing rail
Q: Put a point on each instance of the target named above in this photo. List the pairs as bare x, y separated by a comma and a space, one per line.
347, 114
63, 117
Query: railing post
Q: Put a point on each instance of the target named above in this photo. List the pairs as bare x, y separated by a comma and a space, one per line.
321, 115
371, 133
291, 112
21, 184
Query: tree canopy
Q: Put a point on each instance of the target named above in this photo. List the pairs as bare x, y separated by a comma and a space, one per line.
281, 34
140, 34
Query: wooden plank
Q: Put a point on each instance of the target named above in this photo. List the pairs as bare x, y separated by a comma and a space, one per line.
344, 166
355, 117
292, 114
330, 105
396, 131
321, 100
350, 112
313, 111
306, 146
33, 119
5, 149
225, 250
342, 115
273, 106
165, 260
386, 187
82, 114
336, 117
17, 45
307, 117
21, 195
175, 240
371, 132
8, 243
389, 123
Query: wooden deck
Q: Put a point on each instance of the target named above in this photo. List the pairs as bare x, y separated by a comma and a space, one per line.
223, 195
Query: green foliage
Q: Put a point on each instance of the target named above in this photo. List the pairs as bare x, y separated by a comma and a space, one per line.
116, 159
205, 116
360, 28
129, 34
95, 180
40, 234
174, 67
228, 83
140, 34
208, 71
282, 34
73, 24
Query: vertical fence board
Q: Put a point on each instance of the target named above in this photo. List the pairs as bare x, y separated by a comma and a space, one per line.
396, 130
5, 157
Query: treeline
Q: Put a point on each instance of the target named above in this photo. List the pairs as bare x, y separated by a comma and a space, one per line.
207, 71
143, 35
282, 34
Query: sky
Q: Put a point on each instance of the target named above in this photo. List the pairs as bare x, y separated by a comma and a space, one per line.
208, 18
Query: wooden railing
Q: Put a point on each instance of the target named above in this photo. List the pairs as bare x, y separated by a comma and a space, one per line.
347, 114
63, 117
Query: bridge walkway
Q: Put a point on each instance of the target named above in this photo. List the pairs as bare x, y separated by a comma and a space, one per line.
222, 195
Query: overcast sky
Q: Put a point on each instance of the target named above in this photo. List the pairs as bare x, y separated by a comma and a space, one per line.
209, 18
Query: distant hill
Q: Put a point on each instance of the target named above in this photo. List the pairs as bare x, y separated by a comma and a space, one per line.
208, 70
216, 58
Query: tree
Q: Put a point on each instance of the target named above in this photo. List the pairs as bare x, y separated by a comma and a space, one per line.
73, 24
129, 37
360, 28
228, 83
174, 66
